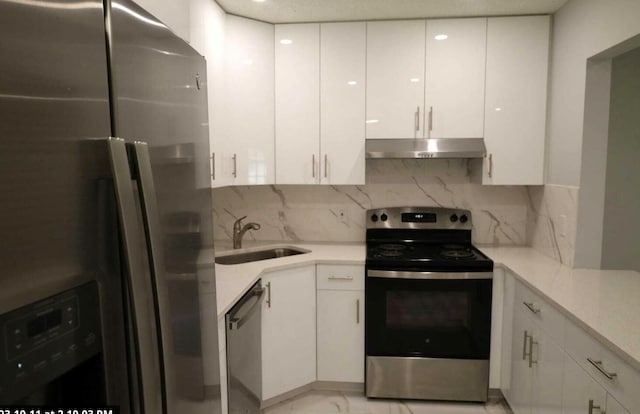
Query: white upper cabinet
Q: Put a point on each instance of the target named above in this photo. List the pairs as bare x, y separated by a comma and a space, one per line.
395, 78
455, 74
207, 35
515, 100
297, 85
245, 153
342, 102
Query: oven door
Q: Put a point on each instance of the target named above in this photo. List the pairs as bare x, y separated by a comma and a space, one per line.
428, 314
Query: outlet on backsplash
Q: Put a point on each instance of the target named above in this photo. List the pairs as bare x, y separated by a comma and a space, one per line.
341, 214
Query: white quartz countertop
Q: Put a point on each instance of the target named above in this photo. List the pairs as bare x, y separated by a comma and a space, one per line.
232, 281
604, 302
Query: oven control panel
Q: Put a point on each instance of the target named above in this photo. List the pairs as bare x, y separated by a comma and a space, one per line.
419, 218
42, 340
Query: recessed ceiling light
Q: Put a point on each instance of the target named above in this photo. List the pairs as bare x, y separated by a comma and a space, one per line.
371, 121
498, 109
286, 41
351, 83
414, 80
441, 37
259, 1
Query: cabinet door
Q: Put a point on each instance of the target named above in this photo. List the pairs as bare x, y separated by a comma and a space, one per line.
342, 102
455, 74
395, 78
248, 126
341, 335
515, 101
288, 331
213, 43
579, 388
521, 381
547, 375
614, 407
297, 103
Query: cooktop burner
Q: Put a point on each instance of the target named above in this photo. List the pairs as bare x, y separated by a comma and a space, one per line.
459, 252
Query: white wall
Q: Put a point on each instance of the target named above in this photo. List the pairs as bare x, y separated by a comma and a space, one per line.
581, 29
621, 229
588, 245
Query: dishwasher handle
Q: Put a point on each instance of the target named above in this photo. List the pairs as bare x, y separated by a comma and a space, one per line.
236, 318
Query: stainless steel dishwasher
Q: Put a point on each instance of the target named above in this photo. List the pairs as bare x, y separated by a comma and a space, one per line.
244, 355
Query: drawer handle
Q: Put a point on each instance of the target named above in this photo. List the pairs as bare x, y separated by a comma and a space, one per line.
340, 277
599, 367
529, 306
592, 407
358, 311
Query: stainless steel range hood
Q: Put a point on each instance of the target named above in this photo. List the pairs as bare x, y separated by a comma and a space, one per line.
426, 148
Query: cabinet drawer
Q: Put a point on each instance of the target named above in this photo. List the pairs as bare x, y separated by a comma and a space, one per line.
624, 385
548, 318
340, 277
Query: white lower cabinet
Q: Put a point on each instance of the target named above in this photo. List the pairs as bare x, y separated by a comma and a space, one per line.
582, 394
518, 389
535, 379
614, 407
547, 374
542, 375
288, 330
341, 335
340, 323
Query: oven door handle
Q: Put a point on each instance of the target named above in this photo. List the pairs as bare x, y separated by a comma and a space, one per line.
395, 274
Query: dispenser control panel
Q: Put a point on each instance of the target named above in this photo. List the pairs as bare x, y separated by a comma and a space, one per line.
45, 339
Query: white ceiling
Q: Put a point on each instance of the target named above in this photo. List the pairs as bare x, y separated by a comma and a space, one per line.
289, 11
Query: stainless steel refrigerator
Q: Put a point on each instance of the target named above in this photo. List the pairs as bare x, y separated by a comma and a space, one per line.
107, 285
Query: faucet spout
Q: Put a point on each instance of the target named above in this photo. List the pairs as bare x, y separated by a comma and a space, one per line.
239, 230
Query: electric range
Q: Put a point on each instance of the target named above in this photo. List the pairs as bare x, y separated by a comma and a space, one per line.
428, 295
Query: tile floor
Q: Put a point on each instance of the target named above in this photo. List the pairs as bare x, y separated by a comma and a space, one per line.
329, 402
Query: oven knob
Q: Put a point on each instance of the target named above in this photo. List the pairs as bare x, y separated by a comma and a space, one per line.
374, 218
383, 217
463, 218
453, 218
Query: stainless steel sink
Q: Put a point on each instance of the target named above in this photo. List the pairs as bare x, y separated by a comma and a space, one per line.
255, 256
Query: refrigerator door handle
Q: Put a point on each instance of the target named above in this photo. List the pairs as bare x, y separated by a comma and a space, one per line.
134, 258
151, 223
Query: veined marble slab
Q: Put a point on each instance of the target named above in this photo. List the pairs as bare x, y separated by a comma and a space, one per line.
552, 220
338, 213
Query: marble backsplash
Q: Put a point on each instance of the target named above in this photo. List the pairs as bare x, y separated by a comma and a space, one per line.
552, 220
337, 213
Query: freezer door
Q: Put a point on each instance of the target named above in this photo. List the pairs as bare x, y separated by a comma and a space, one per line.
58, 227
159, 97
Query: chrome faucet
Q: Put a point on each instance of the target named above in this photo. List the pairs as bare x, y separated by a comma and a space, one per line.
239, 230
